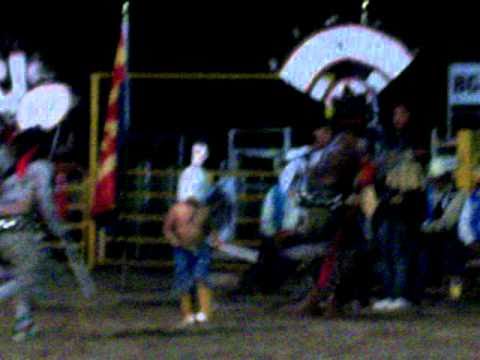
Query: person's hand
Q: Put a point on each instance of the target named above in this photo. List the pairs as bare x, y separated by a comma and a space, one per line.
216, 242
353, 200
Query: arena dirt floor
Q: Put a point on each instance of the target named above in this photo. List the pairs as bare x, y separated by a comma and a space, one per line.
138, 322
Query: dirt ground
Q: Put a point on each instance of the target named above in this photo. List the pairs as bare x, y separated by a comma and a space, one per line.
139, 324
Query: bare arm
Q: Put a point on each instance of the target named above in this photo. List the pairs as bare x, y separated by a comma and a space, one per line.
215, 239
169, 227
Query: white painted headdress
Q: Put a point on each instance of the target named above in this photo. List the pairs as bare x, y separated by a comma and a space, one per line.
33, 99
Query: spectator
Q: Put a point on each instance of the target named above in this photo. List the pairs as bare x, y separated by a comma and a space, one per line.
469, 225
282, 218
330, 183
397, 219
187, 227
194, 179
444, 252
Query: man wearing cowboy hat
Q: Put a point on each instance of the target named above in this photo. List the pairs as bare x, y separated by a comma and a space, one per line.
444, 204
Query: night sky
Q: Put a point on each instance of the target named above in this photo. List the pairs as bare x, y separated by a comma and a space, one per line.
79, 37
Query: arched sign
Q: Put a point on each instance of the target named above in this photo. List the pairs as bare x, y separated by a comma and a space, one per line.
311, 68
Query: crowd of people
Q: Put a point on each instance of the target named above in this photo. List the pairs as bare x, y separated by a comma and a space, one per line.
389, 216
375, 215
376, 219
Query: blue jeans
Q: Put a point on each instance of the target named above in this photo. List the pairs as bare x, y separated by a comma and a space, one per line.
395, 258
191, 267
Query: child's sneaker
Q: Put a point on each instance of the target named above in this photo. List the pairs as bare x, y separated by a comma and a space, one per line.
186, 322
24, 329
201, 317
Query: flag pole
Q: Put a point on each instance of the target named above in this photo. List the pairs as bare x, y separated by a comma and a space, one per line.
112, 159
126, 35
123, 149
123, 138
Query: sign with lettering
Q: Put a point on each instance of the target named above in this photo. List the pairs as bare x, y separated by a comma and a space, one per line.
464, 84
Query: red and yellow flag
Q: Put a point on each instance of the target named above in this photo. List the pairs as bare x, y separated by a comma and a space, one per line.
117, 117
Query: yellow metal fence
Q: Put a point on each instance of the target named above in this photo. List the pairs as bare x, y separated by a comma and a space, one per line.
96, 242
78, 220
99, 241
247, 224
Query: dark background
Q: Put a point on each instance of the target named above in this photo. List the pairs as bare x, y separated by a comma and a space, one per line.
80, 37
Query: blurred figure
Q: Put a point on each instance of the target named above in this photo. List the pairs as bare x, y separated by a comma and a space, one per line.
401, 210
469, 222
282, 219
396, 225
301, 161
402, 137
187, 227
322, 137
27, 215
194, 181
445, 255
333, 213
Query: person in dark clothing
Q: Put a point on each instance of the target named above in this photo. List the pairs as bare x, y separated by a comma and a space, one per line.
396, 224
333, 178
398, 217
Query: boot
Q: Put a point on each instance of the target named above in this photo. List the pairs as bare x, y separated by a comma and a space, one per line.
24, 327
331, 310
309, 305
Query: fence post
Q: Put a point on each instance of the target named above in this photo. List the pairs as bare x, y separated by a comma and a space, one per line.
93, 157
